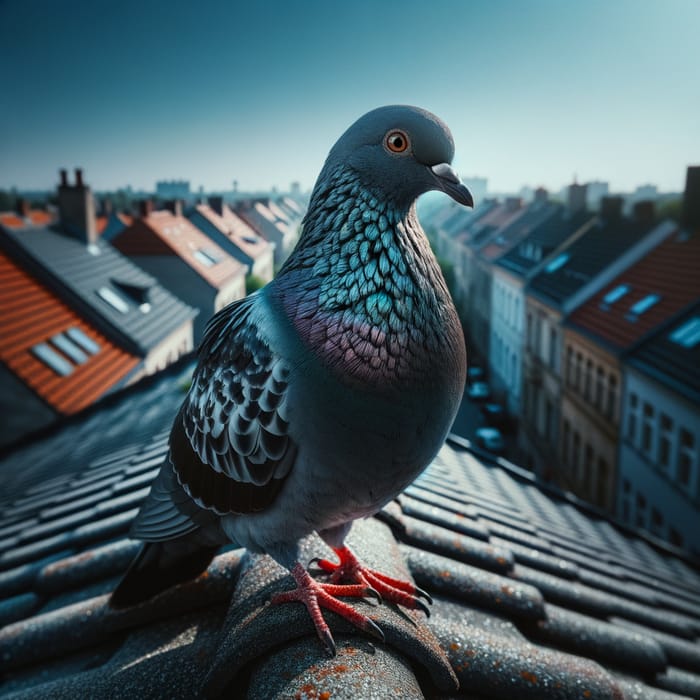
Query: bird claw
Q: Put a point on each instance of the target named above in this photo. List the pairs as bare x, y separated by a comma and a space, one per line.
374, 593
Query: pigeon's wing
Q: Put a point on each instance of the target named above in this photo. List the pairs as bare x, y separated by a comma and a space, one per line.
230, 446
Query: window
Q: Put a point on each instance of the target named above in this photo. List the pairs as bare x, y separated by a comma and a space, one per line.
576, 454
603, 477
686, 457
553, 348
599, 387
52, 359
85, 342
647, 426
577, 371
665, 433
587, 470
675, 537
632, 418
611, 408
657, 521
565, 443
641, 510
115, 300
207, 257
643, 305
569, 365
687, 335
69, 348
614, 295
588, 380
558, 262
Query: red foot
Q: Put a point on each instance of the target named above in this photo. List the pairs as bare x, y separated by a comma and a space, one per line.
317, 595
394, 590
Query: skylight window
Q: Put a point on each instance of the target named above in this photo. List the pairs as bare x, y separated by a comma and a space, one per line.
84, 341
615, 294
116, 301
52, 359
69, 348
644, 304
558, 262
687, 335
206, 257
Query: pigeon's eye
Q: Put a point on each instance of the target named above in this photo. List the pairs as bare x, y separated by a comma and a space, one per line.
397, 141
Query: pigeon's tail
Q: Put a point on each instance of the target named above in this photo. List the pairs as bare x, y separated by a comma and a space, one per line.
158, 566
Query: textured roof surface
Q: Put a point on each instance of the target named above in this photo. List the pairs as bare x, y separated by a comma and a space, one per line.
670, 362
75, 271
171, 234
240, 234
588, 255
535, 596
20, 331
669, 270
544, 238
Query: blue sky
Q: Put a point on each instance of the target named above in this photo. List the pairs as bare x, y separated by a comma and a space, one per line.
213, 91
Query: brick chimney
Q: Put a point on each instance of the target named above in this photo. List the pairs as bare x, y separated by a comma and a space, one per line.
691, 199
174, 206
76, 208
23, 207
145, 207
644, 212
217, 204
576, 200
611, 208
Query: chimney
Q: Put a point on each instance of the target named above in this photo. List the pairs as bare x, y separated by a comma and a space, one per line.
23, 207
76, 208
611, 208
541, 194
513, 203
577, 197
644, 212
691, 199
174, 206
145, 207
217, 204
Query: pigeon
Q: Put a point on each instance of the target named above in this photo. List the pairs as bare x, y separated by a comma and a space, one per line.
317, 399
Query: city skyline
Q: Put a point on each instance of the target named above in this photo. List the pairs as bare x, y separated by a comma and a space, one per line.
534, 95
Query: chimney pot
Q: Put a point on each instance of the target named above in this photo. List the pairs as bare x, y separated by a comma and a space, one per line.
78, 177
77, 209
174, 206
145, 207
217, 204
64, 177
611, 208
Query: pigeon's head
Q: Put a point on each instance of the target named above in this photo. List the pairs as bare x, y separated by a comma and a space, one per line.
401, 152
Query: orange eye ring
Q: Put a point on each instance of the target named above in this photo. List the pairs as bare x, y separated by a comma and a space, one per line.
397, 141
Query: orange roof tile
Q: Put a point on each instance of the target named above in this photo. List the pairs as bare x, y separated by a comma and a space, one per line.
40, 217
101, 223
20, 331
175, 234
669, 270
10, 219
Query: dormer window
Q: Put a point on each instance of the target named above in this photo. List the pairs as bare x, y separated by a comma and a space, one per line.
557, 263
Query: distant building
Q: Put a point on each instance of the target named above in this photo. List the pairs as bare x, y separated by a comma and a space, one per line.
478, 186
271, 222
595, 191
173, 189
235, 236
597, 334
184, 260
659, 480
89, 319
572, 273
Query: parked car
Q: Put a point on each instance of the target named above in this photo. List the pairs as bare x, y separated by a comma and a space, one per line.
490, 439
478, 391
494, 413
475, 374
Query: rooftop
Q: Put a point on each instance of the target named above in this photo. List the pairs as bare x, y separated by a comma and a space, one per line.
121, 300
536, 594
582, 259
53, 350
671, 354
174, 234
645, 295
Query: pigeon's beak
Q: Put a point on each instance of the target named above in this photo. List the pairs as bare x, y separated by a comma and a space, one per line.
448, 181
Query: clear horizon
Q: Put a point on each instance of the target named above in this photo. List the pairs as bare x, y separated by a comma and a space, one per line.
535, 94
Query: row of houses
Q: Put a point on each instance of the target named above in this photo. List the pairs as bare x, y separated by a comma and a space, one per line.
94, 303
590, 324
